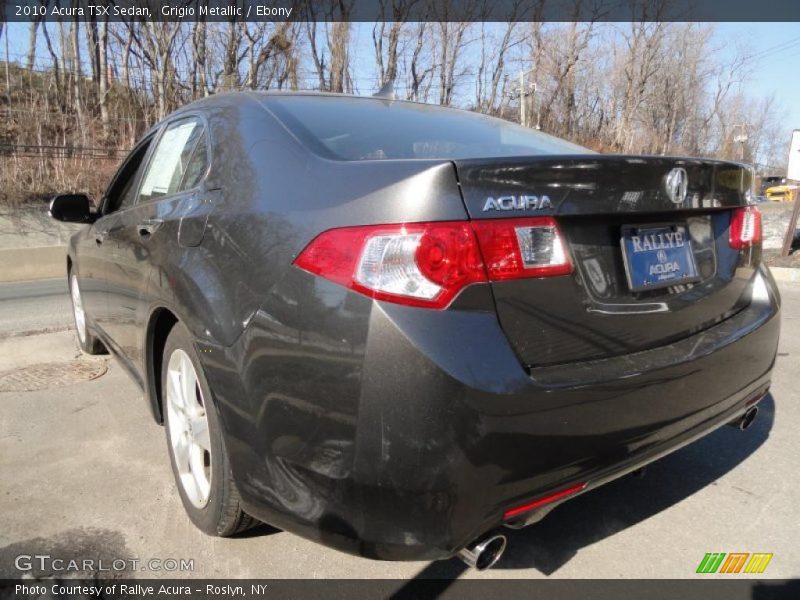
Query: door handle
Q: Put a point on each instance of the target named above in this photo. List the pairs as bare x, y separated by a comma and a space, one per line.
148, 227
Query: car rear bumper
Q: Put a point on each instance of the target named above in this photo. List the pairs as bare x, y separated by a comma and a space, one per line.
415, 443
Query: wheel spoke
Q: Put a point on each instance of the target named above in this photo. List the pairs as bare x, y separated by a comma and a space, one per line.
190, 487
188, 385
200, 432
181, 449
174, 392
197, 464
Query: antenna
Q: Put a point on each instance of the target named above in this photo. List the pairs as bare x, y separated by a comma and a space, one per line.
386, 91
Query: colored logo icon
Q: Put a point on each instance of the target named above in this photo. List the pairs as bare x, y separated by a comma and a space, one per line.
734, 562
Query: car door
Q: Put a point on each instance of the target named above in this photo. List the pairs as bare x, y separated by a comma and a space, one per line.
144, 233
96, 256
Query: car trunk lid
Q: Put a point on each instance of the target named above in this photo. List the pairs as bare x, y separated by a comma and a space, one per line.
601, 309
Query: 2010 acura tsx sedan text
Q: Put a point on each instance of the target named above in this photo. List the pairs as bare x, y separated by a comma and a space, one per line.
395, 328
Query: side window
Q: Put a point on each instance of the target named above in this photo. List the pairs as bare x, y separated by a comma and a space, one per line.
122, 193
197, 165
171, 159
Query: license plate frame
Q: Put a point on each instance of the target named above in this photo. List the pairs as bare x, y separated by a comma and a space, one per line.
654, 260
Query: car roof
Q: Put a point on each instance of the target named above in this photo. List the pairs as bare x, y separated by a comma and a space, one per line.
245, 97
263, 97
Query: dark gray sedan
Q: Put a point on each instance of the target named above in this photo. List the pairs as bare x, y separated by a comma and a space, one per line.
396, 328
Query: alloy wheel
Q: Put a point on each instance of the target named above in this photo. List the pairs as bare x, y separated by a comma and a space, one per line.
188, 428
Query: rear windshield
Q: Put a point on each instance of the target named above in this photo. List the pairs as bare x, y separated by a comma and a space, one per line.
364, 128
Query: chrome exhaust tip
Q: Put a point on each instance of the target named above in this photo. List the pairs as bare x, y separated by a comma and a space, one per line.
746, 419
484, 554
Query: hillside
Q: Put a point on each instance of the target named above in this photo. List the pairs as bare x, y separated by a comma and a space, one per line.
50, 143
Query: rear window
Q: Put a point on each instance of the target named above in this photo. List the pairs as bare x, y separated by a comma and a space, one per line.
364, 129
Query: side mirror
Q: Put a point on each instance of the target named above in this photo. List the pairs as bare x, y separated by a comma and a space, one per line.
72, 208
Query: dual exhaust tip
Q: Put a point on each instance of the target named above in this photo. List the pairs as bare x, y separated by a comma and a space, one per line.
485, 553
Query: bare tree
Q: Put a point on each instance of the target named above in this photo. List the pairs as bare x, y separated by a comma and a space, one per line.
102, 60
386, 37
77, 75
331, 54
154, 43
420, 71
450, 42
493, 59
232, 54
339, 45
32, 39
199, 59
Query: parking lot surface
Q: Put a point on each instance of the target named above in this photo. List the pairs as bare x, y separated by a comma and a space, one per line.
84, 473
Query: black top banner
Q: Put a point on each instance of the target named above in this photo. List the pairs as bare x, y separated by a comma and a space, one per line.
401, 10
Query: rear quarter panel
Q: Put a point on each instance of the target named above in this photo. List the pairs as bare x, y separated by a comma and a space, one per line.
266, 198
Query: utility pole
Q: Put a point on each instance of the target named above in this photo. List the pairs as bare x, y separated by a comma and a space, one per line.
522, 92
741, 139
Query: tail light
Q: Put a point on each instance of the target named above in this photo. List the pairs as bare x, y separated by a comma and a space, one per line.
517, 248
428, 264
745, 228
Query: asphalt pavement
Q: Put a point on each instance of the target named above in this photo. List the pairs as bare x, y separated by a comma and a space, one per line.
84, 473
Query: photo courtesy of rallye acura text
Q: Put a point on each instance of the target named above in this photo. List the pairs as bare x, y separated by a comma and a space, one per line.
396, 329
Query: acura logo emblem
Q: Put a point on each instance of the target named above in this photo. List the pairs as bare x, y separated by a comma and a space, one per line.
676, 183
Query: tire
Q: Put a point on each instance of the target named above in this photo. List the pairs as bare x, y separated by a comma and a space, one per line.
87, 341
196, 449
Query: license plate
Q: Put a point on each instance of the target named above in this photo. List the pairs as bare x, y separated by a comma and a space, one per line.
657, 256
